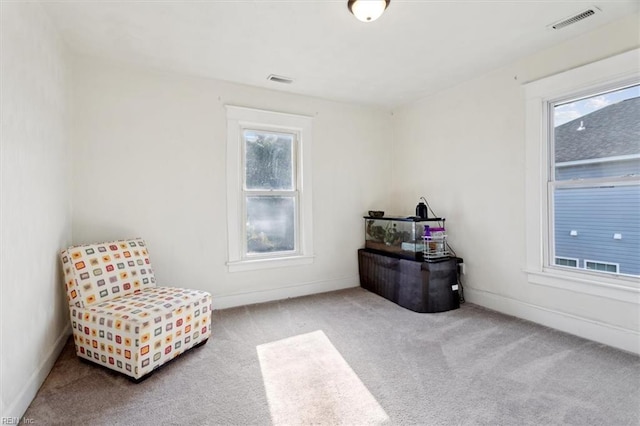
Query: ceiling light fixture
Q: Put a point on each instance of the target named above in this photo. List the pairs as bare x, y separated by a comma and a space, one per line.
367, 10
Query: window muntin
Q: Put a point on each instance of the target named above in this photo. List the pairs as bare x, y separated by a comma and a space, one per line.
594, 179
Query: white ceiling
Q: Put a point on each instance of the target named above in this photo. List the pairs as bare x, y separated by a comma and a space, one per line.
416, 47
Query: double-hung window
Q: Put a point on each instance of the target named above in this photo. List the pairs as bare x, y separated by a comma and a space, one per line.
268, 189
594, 180
269, 193
583, 178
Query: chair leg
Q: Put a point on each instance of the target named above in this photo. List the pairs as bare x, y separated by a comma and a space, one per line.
141, 379
202, 343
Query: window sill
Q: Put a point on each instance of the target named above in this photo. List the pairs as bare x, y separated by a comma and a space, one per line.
621, 288
258, 264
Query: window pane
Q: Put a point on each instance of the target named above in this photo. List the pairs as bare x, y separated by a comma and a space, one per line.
600, 223
604, 267
268, 160
566, 262
598, 136
270, 224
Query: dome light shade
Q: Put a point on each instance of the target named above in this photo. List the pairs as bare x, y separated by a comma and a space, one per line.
367, 10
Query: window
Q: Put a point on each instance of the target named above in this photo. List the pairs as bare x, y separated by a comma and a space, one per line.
270, 193
583, 178
572, 263
601, 266
594, 179
268, 189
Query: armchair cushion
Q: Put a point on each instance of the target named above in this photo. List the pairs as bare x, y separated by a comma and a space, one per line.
139, 332
97, 272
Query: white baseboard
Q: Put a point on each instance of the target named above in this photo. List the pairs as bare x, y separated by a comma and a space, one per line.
224, 301
17, 408
611, 335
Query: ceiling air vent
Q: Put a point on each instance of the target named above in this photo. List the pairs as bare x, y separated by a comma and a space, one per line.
575, 18
280, 79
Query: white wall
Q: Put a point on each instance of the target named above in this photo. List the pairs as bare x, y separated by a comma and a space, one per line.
149, 161
464, 149
35, 203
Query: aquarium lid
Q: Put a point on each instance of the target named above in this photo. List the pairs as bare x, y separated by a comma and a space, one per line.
405, 218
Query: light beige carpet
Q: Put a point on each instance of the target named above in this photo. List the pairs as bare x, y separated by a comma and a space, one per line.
308, 382
470, 366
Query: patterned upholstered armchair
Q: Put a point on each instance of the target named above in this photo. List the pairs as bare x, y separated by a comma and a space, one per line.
120, 319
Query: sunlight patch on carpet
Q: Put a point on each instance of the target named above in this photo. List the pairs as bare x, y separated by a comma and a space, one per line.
308, 382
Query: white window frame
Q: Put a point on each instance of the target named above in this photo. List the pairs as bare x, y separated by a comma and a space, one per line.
238, 120
613, 72
567, 258
597, 262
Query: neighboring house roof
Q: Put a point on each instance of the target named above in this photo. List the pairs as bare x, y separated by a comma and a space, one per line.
608, 132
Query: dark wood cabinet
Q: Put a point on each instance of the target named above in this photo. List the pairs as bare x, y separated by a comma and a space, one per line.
415, 285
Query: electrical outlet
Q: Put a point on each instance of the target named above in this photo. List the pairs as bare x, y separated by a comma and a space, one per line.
463, 268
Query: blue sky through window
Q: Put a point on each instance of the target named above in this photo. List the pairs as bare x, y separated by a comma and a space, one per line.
566, 112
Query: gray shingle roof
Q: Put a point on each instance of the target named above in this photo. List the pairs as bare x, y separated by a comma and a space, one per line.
608, 132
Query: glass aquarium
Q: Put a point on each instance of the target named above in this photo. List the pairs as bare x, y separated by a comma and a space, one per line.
397, 236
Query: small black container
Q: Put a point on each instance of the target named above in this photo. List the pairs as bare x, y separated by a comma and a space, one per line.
421, 210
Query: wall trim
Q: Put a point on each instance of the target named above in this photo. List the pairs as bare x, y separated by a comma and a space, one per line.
19, 406
611, 335
224, 301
